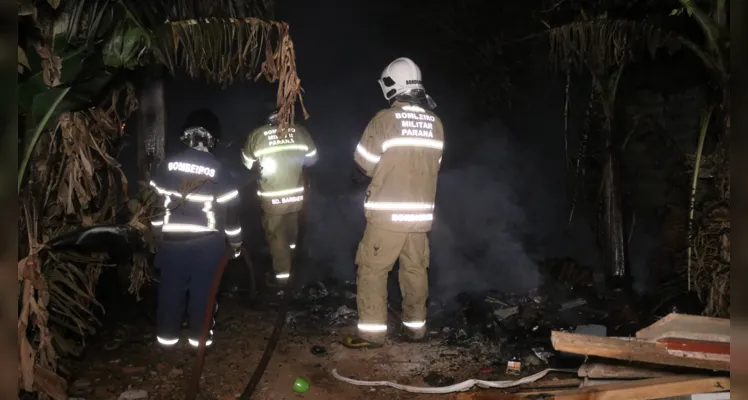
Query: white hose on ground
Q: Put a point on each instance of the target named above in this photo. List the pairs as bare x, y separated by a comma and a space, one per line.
457, 387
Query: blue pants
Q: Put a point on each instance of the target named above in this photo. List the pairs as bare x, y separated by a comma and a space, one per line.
186, 266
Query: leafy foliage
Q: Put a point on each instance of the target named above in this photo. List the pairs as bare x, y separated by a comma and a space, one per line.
599, 38
73, 106
74, 182
601, 44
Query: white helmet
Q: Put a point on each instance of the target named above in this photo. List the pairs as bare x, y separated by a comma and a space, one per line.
401, 76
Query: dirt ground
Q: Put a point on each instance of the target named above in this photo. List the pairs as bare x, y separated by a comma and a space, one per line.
129, 358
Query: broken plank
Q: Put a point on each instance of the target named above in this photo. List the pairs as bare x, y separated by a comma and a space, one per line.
696, 346
603, 370
540, 393
485, 396
598, 382
492, 395
645, 389
629, 349
684, 326
552, 383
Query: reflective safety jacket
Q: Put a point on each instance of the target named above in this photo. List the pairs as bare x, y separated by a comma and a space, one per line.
401, 151
281, 160
199, 197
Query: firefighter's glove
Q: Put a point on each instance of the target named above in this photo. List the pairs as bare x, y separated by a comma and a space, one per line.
358, 177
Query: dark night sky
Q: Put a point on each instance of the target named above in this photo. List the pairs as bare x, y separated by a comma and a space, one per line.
501, 202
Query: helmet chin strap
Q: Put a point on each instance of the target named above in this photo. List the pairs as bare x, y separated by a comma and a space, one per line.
419, 98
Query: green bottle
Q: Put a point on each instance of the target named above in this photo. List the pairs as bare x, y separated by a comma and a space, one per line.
300, 385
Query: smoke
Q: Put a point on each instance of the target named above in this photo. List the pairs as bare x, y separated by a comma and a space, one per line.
335, 224
477, 240
500, 208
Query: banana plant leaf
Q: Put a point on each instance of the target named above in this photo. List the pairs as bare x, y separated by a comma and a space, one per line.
82, 94
39, 128
125, 46
49, 104
33, 85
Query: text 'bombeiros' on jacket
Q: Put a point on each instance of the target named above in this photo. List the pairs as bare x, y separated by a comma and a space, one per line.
199, 197
281, 158
401, 151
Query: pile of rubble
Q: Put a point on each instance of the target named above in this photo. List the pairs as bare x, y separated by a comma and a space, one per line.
679, 357
501, 326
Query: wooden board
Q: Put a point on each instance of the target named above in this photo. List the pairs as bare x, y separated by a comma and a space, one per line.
629, 349
607, 370
643, 389
552, 383
696, 346
684, 326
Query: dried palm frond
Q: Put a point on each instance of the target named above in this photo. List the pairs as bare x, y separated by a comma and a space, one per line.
221, 50
710, 272
219, 40
74, 182
709, 266
174, 10
74, 179
601, 44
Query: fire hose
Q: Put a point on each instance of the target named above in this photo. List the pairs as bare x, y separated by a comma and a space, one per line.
193, 385
280, 320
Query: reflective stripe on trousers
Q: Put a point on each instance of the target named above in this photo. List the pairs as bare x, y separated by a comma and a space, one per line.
189, 264
376, 255
281, 231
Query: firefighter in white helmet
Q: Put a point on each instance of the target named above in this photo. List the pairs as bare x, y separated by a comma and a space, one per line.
401, 152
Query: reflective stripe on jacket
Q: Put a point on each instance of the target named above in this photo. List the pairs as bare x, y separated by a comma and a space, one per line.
281, 159
401, 151
197, 193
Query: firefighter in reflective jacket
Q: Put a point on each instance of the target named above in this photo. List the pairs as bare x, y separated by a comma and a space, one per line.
401, 151
199, 216
281, 159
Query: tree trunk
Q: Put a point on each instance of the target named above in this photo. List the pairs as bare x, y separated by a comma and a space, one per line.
151, 127
615, 249
614, 253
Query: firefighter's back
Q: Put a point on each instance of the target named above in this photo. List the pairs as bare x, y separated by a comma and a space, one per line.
196, 189
403, 188
281, 158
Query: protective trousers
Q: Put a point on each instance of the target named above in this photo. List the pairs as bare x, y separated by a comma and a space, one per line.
187, 268
281, 231
376, 255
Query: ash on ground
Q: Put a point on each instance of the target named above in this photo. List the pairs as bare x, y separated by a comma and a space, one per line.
488, 328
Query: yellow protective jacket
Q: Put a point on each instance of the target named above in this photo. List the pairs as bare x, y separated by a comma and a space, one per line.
401, 151
281, 161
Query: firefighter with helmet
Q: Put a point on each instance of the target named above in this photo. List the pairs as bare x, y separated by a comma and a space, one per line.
280, 158
400, 150
199, 217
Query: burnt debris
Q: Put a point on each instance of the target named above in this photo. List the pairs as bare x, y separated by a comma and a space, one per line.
506, 325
